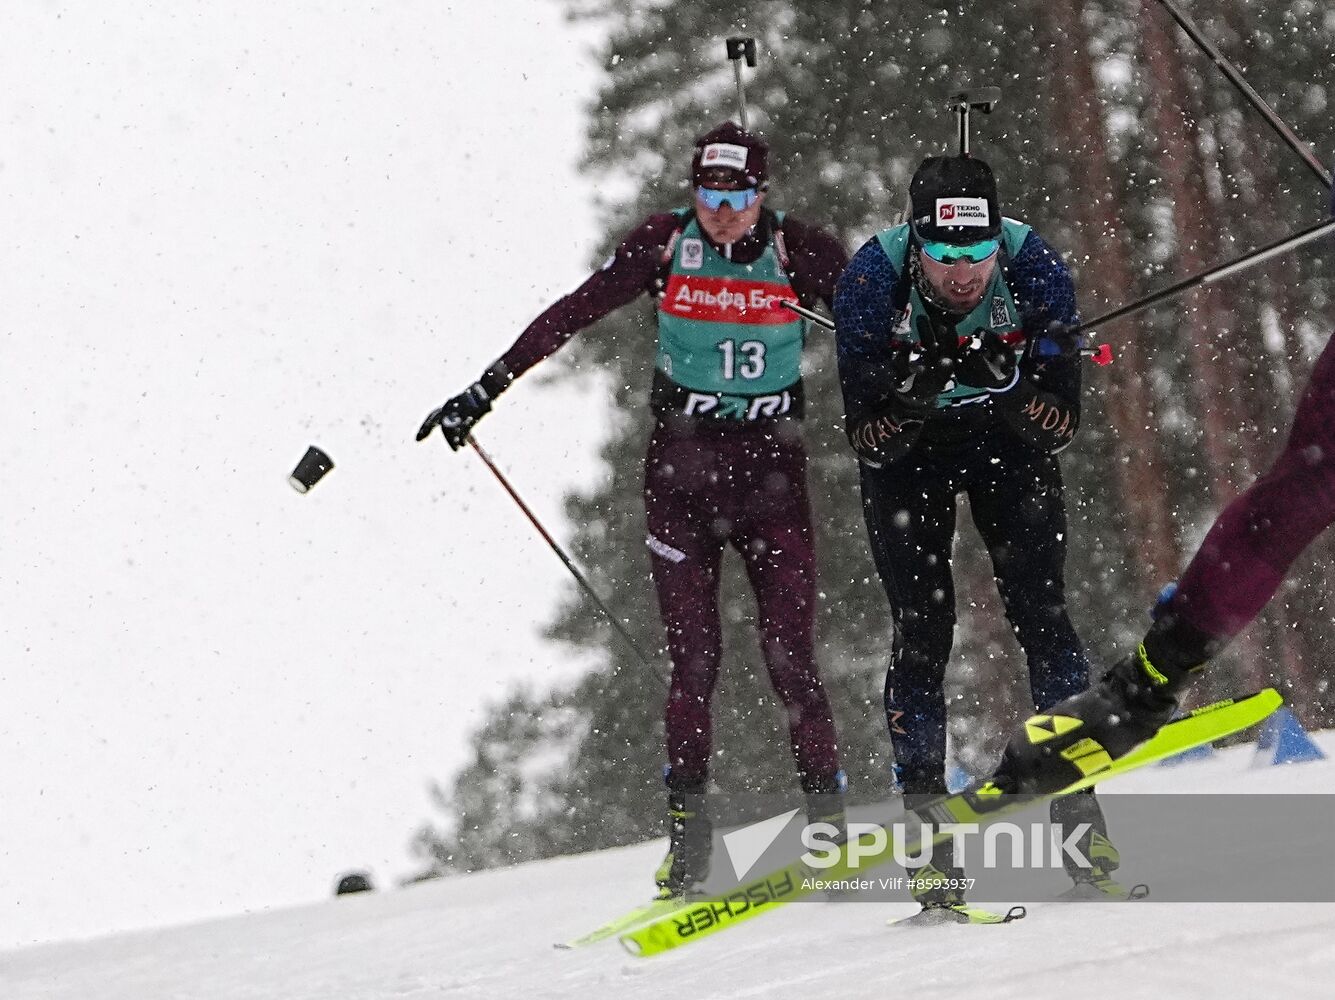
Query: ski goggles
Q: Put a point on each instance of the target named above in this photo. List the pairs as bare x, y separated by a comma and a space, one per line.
950, 253
714, 200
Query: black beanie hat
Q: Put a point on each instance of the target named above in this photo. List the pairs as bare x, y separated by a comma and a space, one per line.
954, 200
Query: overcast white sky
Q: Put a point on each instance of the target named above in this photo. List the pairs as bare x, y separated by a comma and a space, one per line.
228, 231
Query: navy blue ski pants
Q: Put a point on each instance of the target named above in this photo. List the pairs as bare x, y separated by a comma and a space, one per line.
1016, 497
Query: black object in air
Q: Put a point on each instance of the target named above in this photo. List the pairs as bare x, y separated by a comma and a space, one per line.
310, 470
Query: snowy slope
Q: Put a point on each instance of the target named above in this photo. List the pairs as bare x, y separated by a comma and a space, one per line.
490, 935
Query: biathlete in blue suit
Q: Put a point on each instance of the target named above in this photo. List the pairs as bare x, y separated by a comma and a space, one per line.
957, 379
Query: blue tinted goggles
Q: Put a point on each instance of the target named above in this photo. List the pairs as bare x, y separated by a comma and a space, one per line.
949, 253
714, 200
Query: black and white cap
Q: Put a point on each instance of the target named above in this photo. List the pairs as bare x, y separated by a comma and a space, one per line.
954, 200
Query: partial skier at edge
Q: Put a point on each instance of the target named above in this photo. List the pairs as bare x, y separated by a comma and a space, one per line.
1234, 573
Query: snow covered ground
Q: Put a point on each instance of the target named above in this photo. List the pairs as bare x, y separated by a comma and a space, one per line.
491, 935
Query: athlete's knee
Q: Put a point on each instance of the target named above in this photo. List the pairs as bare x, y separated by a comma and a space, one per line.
924, 637
809, 712
931, 612
793, 672
1289, 505
917, 676
786, 641
1307, 482
1041, 620
694, 653
694, 679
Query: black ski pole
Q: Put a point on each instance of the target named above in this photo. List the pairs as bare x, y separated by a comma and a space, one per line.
739, 49
806, 313
1216, 273
560, 553
1207, 277
1101, 355
1263, 254
1255, 99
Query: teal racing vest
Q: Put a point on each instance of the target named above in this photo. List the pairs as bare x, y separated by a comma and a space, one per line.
996, 311
727, 345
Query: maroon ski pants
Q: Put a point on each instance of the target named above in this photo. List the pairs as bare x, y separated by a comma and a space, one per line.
1246, 553
707, 487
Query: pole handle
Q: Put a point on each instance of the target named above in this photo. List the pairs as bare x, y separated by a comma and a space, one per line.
1101, 355
982, 99
742, 48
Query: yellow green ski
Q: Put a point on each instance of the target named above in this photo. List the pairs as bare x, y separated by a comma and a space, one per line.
981, 803
633, 918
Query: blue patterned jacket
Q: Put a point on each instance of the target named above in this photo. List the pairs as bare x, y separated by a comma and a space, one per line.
871, 300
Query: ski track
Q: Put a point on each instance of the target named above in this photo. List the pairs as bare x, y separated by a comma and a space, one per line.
490, 935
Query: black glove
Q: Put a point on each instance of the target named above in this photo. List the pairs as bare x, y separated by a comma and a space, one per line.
457, 416
888, 432
926, 369
987, 363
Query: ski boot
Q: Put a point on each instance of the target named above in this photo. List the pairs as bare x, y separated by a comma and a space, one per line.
940, 892
690, 842
1085, 733
1094, 885
938, 886
1095, 882
825, 802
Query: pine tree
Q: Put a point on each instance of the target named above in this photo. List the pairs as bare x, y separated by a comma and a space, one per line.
1100, 111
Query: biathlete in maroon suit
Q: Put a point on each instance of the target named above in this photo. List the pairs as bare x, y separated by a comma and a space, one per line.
725, 464
1233, 575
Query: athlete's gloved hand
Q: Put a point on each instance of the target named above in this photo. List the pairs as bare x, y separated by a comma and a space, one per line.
926, 369
457, 416
1061, 340
987, 363
907, 364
